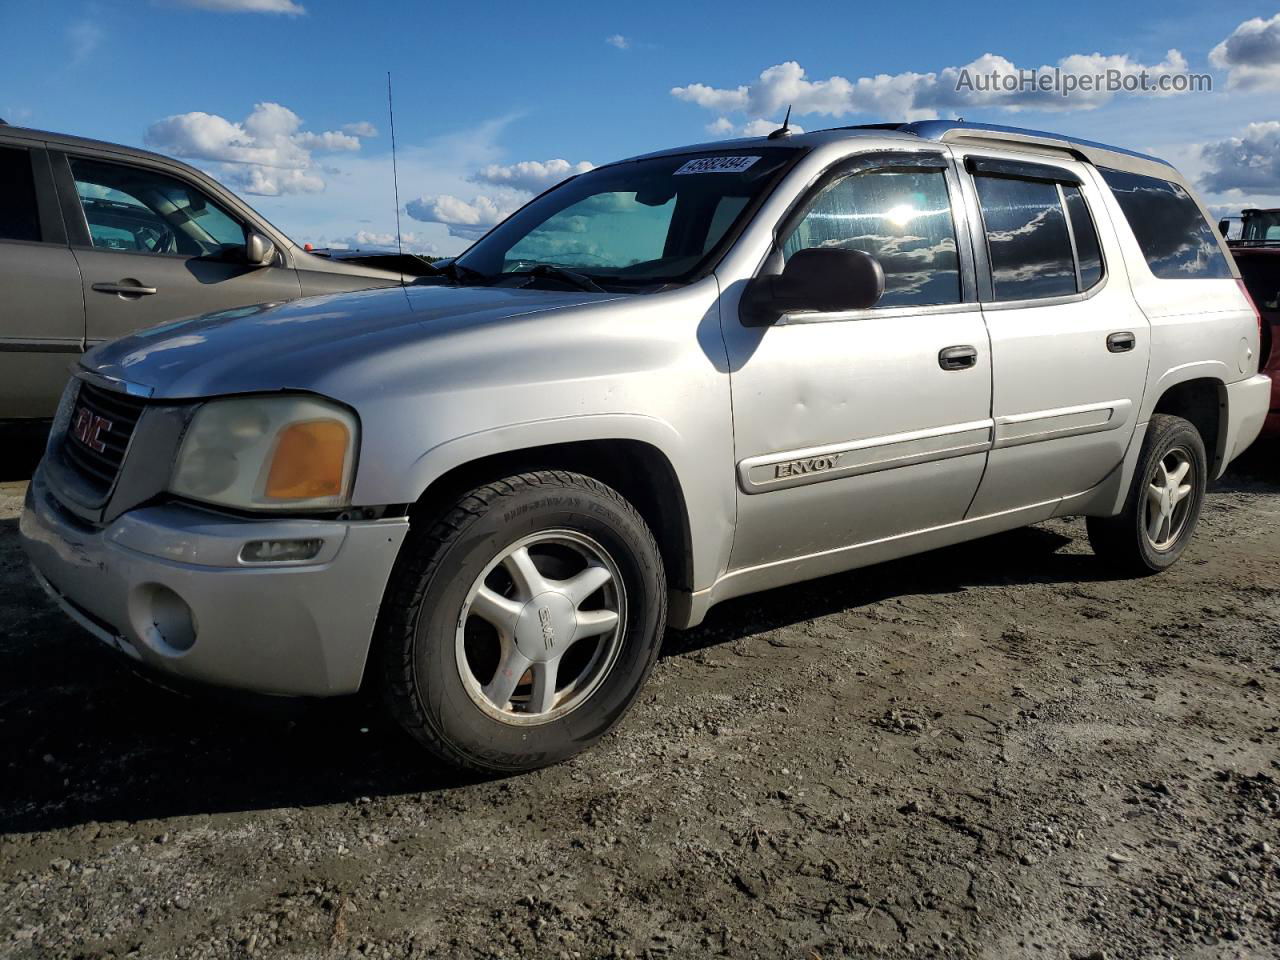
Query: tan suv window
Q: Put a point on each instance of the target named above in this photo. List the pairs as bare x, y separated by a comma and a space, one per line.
19, 219
139, 210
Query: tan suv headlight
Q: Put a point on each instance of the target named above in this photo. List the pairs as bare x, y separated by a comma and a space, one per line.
278, 452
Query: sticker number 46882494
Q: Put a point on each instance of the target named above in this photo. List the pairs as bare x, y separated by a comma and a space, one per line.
716, 165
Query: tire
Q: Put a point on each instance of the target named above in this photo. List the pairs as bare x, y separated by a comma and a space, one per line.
442, 660
1127, 541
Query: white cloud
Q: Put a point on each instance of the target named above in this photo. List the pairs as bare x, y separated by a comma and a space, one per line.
760, 127
531, 176
330, 141
266, 154
373, 240
713, 99
246, 6
618, 40
1248, 164
466, 219
85, 37
1251, 55
915, 96
361, 129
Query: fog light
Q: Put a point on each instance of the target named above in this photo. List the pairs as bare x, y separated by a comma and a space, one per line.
162, 619
279, 551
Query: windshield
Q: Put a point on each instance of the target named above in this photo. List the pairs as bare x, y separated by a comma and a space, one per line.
644, 222
1262, 225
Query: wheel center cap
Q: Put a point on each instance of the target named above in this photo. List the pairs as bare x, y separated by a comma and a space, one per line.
546, 626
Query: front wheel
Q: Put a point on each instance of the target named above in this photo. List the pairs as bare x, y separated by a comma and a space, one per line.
1164, 501
519, 628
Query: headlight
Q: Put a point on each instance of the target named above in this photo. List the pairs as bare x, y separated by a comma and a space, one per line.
280, 452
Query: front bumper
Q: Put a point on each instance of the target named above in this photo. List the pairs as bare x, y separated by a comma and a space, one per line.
164, 584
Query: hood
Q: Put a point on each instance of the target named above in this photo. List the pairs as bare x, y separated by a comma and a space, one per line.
294, 345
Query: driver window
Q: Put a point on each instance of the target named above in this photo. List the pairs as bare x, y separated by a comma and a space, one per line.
142, 211
900, 217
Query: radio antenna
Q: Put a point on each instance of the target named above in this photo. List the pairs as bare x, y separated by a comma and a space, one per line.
395, 176
783, 131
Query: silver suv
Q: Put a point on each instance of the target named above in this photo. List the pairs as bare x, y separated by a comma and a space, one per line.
98, 240
670, 381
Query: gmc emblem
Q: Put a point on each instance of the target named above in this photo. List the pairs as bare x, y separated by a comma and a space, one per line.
88, 427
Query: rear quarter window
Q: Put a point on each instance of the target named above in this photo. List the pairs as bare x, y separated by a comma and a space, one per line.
18, 217
1174, 236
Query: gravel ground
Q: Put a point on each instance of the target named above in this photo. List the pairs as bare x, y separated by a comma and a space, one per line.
996, 750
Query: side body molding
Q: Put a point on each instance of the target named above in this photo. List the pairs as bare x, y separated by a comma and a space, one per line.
778, 471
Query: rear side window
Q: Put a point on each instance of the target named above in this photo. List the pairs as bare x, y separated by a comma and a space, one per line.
19, 219
903, 219
1088, 250
1027, 238
1174, 237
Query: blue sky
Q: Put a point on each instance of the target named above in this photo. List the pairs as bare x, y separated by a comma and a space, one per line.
487, 93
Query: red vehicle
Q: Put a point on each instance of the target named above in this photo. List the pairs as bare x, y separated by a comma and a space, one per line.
1258, 254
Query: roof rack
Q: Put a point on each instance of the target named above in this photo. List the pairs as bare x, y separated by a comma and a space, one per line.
952, 129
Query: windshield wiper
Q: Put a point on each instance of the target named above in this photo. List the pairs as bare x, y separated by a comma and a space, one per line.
552, 272
456, 273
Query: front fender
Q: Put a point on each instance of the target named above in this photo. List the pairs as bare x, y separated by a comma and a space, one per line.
710, 505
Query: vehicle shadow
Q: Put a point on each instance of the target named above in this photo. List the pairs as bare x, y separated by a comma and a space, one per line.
23, 447
1258, 467
83, 738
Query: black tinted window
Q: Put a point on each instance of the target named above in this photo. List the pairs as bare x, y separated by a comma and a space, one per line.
1261, 275
1027, 238
903, 219
1174, 236
18, 217
1088, 252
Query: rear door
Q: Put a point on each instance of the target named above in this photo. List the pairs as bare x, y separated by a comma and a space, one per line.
153, 247
42, 319
1069, 346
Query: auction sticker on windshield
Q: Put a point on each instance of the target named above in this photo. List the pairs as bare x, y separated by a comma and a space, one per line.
717, 165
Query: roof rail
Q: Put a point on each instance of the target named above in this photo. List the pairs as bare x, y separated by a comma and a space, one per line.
950, 129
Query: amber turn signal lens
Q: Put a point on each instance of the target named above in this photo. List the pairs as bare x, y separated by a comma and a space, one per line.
309, 461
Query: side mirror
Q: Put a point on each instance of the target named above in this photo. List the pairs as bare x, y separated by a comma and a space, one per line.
259, 251
816, 280
1224, 227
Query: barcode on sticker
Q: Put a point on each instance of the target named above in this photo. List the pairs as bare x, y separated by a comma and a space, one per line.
717, 165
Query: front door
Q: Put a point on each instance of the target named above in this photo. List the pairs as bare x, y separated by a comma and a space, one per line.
856, 427
153, 248
1069, 346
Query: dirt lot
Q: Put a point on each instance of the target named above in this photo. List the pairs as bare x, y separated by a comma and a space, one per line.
993, 751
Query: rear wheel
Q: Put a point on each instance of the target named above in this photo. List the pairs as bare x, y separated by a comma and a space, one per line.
519, 628
1164, 501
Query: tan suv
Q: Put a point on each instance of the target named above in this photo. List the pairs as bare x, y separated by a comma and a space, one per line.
99, 240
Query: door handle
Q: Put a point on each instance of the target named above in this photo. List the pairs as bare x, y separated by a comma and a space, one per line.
1121, 342
126, 288
958, 358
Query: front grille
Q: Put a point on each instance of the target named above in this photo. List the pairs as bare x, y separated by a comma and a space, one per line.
110, 419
